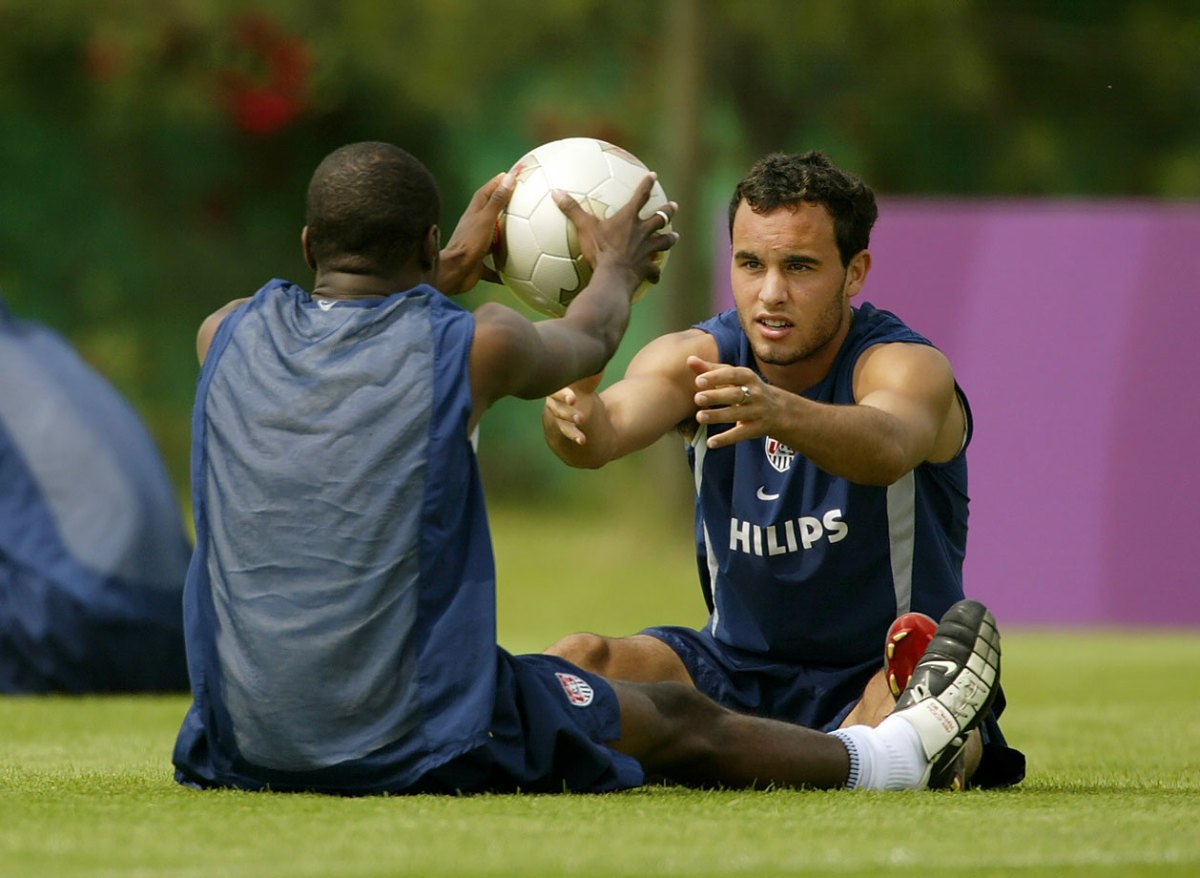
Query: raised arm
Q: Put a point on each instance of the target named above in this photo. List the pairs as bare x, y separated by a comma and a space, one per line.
512, 356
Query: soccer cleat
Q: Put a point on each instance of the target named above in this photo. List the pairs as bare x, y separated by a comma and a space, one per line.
952, 688
905, 644
951, 775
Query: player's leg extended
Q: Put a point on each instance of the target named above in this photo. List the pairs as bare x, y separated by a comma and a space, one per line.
639, 658
682, 735
968, 678
678, 733
950, 691
878, 702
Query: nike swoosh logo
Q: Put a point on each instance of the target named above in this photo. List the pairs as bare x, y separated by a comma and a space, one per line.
947, 668
761, 494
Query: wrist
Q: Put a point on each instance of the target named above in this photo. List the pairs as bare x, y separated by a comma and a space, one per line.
450, 272
620, 271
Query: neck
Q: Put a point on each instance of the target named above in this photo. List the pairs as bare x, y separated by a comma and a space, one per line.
345, 285
798, 376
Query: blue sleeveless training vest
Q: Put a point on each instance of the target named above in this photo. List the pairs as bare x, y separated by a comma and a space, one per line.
330, 560
807, 566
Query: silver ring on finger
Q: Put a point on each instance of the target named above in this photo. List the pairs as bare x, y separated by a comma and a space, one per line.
666, 219
745, 395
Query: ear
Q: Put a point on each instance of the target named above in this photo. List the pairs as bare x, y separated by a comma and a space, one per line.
431, 249
856, 273
308, 257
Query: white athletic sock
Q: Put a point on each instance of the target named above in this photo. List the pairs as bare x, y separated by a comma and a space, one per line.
887, 757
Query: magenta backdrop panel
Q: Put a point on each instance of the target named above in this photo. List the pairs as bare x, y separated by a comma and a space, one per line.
1071, 327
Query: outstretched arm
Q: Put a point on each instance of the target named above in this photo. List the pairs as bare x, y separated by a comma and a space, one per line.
906, 412
589, 429
511, 356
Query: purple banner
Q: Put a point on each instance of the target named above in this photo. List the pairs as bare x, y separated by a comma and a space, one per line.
1070, 326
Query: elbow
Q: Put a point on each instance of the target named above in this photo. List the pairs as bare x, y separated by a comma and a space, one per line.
572, 453
886, 469
885, 479
610, 338
887, 473
577, 456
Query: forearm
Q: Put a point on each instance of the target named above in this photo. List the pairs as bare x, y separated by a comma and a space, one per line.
601, 310
581, 342
860, 443
596, 449
597, 317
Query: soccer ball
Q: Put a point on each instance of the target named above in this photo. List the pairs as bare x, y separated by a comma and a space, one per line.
537, 252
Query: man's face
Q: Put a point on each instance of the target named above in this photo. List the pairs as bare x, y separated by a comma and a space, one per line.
791, 291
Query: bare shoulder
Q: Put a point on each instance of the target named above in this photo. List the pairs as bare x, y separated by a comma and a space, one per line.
915, 382
900, 365
498, 324
501, 335
210, 325
503, 341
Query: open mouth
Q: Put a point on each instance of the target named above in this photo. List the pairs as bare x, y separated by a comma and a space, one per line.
774, 326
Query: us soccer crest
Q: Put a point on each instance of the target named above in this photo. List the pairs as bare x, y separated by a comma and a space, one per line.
778, 454
577, 689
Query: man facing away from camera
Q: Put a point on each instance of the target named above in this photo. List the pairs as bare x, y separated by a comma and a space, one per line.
828, 445
340, 605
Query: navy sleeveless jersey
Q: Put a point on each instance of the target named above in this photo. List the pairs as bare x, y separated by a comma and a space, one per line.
329, 560
809, 567
92, 546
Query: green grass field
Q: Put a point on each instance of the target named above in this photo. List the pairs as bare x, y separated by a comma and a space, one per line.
1110, 722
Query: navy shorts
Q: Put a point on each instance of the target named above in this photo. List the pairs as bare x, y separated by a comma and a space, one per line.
547, 734
749, 682
810, 695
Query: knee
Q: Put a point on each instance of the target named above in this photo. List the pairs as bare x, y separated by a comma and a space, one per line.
588, 651
694, 731
684, 707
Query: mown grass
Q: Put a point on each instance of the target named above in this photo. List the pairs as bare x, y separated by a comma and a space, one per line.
1110, 722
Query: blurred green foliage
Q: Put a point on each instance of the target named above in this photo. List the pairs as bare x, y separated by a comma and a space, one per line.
154, 155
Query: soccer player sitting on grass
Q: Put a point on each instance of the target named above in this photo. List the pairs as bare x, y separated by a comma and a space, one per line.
340, 605
828, 448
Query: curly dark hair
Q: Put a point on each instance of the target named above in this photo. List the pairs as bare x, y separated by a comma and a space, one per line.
370, 206
778, 180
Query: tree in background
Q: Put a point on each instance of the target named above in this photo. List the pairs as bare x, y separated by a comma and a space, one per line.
155, 154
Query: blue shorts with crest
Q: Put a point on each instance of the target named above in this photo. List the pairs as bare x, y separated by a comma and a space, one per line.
547, 735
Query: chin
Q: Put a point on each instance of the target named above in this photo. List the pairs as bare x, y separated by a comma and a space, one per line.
775, 355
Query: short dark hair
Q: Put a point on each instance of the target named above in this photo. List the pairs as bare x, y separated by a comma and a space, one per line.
778, 180
370, 206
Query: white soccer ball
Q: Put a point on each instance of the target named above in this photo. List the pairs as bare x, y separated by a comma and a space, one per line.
537, 248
